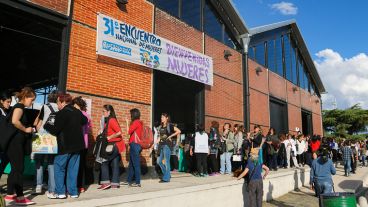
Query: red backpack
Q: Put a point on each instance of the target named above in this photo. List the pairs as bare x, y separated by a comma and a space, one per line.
146, 141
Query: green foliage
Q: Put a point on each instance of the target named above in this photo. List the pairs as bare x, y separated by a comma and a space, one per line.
344, 123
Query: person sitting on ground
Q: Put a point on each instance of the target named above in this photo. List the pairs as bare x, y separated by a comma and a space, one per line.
253, 182
321, 173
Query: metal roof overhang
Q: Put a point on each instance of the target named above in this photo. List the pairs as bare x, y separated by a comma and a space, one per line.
302, 46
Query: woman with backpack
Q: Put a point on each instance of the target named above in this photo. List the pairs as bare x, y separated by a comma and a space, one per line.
135, 129
50, 108
166, 132
114, 137
201, 150
16, 146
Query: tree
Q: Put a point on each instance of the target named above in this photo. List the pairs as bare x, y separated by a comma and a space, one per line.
345, 122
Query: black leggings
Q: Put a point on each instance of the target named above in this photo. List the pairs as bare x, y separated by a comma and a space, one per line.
201, 162
15, 154
213, 161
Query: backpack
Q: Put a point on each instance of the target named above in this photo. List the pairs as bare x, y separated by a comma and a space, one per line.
146, 140
51, 119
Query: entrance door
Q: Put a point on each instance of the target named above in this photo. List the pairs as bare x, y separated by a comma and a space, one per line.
181, 98
307, 123
279, 116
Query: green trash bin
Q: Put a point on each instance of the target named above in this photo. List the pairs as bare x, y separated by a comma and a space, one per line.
29, 167
338, 200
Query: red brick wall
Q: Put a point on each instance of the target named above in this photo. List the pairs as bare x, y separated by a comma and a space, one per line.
277, 86
293, 97
60, 6
295, 117
225, 98
124, 83
258, 82
317, 124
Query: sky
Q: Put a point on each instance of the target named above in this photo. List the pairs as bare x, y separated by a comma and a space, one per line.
336, 34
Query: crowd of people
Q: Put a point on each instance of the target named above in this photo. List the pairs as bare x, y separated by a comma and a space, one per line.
226, 150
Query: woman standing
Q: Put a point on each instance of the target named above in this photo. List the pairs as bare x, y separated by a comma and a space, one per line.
135, 130
228, 140
5, 100
302, 148
68, 130
214, 143
272, 150
166, 131
201, 150
113, 135
81, 104
15, 151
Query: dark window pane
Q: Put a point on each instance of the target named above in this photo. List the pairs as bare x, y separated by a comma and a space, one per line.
169, 6
306, 81
301, 72
190, 13
212, 24
293, 66
271, 58
278, 50
287, 56
260, 53
251, 53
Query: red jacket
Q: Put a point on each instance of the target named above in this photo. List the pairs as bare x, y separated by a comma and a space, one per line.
137, 127
114, 128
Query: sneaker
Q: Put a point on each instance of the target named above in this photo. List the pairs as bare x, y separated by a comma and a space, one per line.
74, 196
135, 185
115, 187
50, 195
38, 190
24, 202
104, 186
82, 190
62, 196
162, 181
10, 197
124, 183
205, 175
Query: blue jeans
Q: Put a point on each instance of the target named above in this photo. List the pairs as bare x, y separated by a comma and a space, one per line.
114, 161
39, 160
322, 186
347, 166
134, 169
225, 158
165, 154
61, 162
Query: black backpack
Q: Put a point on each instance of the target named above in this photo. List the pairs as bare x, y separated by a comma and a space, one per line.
51, 119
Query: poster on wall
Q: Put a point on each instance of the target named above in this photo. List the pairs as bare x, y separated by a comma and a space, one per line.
123, 41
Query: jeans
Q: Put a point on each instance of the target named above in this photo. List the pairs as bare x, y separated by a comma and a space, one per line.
114, 161
225, 159
134, 169
347, 166
61, 162
39, 160
255, 193
165, 154
322, 187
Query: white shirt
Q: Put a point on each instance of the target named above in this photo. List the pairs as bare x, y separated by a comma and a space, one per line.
301, 147
201, 143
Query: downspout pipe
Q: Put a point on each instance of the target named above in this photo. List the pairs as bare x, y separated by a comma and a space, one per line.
245, 39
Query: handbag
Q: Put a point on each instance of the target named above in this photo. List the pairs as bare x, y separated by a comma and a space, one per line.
237, 158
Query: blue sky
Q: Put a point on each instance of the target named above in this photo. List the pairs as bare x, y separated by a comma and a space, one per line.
336, 33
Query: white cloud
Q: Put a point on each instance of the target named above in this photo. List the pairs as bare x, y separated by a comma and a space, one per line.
285, 8
345, 79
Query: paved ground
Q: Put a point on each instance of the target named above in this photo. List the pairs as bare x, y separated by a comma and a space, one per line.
305, 197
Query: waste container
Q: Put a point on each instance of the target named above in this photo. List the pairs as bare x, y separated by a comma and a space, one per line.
342, 199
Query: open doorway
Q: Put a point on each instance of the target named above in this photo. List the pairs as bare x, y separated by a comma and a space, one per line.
307, 123
181, 98
278, 115
30, 50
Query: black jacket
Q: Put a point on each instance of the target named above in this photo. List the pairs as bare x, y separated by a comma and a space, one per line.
68, 129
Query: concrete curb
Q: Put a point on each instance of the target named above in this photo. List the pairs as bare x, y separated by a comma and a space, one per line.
362, 191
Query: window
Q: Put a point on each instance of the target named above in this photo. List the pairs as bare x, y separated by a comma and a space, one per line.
251, 53
228, 41
278, 115
260, 53
287, 56
169, 6
271, 57
212, 24
306, 81
293, 66
301, 73
278, 51
191, 13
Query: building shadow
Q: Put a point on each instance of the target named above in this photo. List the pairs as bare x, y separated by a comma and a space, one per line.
279, 204
296, 180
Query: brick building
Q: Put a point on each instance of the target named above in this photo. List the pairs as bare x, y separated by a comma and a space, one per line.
58, 50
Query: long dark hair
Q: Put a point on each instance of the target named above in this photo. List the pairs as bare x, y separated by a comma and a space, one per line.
80, 102
168, 118
109, 108
271, 129
223, 128
135, 114
4, 96
200, 128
